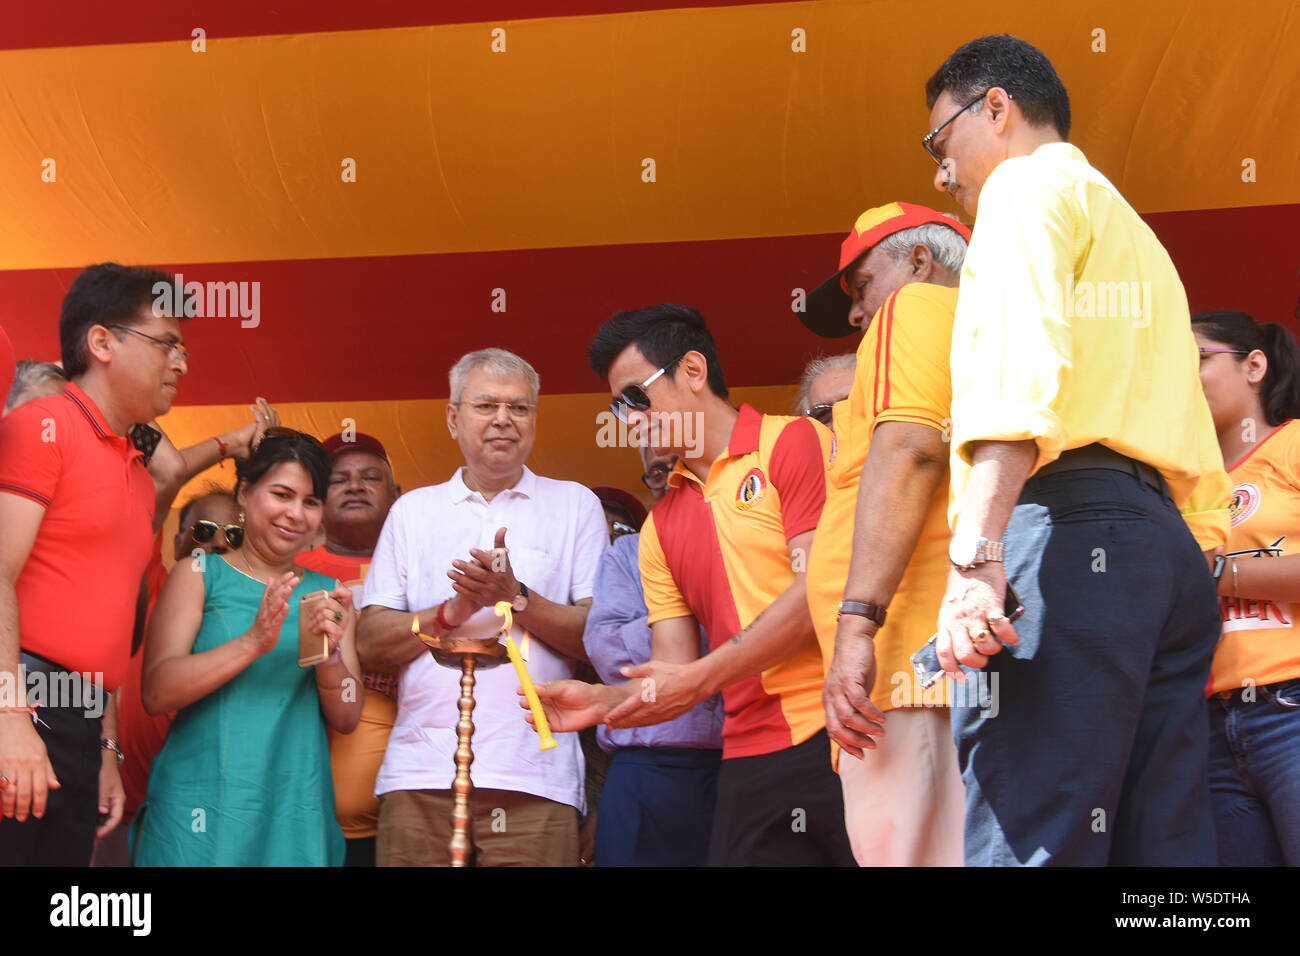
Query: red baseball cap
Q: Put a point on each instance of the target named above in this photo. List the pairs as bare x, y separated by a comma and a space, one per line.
826, 310
337, 444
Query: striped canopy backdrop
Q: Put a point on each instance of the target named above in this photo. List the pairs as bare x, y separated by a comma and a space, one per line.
405, 186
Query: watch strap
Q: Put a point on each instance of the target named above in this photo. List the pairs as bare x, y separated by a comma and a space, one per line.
872, 612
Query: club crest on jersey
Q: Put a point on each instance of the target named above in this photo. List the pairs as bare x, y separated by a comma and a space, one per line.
751, 489
1245, 502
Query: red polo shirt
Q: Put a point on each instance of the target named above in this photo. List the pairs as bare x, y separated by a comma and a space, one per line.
77, 592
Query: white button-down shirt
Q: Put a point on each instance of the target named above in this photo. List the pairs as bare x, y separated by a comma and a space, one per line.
556, 534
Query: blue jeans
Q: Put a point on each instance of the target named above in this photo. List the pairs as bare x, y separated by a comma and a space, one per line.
1096, 751
1255, 776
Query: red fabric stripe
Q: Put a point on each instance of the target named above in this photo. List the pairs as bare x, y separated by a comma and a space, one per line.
86, 22
411, 317
886, 339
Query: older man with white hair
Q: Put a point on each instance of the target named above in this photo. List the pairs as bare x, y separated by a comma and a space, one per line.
436, 557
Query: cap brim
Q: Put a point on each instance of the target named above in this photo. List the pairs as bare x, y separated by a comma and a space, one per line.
826, 310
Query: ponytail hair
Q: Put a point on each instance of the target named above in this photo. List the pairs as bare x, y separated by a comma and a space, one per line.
1280, 391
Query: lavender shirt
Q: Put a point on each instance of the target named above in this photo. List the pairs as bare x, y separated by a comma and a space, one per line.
618, 635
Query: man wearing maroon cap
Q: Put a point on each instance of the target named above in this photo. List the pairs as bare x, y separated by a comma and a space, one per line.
882, 536
361, 491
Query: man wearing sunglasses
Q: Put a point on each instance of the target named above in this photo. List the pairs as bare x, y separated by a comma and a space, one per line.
77, 505
882, 539
825, 381
1079, 431
725, 548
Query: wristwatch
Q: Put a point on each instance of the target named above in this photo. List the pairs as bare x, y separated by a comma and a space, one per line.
872, 612
966, 551
107, 743
1219, 562
520, 602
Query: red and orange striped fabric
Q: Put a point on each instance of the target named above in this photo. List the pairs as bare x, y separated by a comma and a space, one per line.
503, 193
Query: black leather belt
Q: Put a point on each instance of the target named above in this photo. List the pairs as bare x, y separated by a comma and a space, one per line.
1099, 456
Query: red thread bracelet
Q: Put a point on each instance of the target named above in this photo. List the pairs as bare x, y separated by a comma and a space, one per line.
221, 446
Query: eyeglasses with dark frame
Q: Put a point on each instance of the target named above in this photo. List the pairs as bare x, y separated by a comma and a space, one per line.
621, 528
204, 531
929, 139
823, 413
1205, 352
634, 396
175, 350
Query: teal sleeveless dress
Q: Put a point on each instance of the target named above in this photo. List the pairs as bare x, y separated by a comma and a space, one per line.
244, 777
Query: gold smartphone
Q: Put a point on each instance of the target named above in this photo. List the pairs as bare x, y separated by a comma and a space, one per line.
313, 646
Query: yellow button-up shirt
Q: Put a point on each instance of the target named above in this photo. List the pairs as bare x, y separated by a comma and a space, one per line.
1072, 327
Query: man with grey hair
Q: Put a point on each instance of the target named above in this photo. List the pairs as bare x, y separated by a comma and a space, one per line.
826, 380
448, 553
883, 535
33, 380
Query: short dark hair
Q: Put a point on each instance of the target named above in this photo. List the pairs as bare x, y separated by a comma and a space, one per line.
294, 446
103, 294
212, 491
1279, 393
663, 334
1018, 67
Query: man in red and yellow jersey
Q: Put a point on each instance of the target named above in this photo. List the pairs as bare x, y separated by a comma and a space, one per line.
725, 548
882, 541
361, 492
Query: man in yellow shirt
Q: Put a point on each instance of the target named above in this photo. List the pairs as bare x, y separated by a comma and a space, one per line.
1078, 434
882, 541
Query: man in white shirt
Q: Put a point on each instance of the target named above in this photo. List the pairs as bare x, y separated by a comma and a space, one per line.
436, 557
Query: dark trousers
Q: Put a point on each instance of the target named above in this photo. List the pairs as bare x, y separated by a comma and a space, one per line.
65, 835
1096, 751
785, 808
657, 807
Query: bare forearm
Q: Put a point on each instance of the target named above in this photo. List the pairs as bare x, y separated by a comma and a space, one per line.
559, 625
772, 637
10, 666
384, 637
999, 470
108, 722
1273, 579
179, 681
894, 497
342, 695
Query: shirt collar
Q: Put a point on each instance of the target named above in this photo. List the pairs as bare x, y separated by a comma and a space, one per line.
78, 397
525, 487
1059, 151
744, 441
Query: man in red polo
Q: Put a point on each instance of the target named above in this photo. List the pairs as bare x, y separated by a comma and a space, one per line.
76, 505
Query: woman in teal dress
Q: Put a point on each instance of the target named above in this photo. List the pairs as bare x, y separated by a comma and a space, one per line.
244, 777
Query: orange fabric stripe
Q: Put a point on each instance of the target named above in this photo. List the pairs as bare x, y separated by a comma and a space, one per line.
239, 153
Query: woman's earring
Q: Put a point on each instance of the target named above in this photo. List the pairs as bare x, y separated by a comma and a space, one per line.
241, 517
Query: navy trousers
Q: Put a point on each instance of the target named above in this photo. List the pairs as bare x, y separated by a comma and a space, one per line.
1095, 751
657, 807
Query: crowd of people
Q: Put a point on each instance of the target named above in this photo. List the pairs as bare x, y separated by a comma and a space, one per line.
1010, 587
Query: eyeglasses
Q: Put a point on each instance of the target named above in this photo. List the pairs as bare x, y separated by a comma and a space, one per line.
823, 413
174, 350
620, 529
204, 531
656, 476
519, 411
1205, 352
929, 139
634, 396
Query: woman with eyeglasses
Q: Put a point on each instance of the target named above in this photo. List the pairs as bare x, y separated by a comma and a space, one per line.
1251, 376
244, 777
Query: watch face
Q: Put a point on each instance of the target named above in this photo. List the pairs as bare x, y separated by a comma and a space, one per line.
961, 550
519, 603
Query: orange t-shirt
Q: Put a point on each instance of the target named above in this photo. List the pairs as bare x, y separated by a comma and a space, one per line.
902, 376
1260, 642
719, 551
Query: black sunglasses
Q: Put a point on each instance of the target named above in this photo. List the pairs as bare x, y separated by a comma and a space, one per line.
634, 396
823, 413
204, 531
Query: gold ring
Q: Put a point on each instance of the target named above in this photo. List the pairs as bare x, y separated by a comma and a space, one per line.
995, 620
